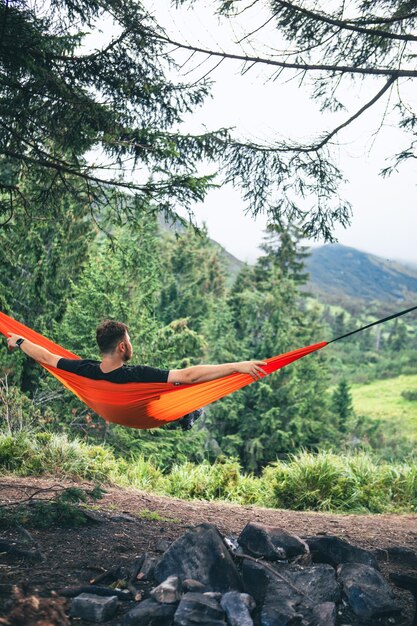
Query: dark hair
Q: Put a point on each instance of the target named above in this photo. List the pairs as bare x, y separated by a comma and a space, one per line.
109, 333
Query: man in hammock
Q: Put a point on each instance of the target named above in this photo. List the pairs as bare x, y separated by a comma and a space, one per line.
116, 350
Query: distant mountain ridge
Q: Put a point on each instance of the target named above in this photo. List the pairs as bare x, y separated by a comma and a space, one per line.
338, 272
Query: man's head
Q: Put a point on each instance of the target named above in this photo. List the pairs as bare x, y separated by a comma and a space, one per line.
113, 337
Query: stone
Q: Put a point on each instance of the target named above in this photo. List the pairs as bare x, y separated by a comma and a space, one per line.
189, 584
163, 545
168, 592
276, 614
249, 601
316, 583
213, 594
150, 613
324, 614
196, 609
94, 608
368, 594
292, 596
200, 554
271, 542
399, 554
236, 609
335, 551
409, 582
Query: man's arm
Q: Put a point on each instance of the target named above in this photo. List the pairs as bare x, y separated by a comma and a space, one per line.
204, 373
33, 350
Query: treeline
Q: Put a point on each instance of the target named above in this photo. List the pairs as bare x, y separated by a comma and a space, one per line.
173, 290
383, 351
63, 277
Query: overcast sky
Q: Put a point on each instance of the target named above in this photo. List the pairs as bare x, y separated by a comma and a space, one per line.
384, 219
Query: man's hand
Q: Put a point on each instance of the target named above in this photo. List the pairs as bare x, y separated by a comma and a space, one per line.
42, 355
253, 368
11, 340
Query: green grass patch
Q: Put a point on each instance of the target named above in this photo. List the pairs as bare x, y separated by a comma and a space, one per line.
389, 400
353, 482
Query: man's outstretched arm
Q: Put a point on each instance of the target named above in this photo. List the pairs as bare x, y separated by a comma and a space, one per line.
33, 350
204, 373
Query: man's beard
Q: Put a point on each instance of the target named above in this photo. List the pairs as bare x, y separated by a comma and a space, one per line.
127, 355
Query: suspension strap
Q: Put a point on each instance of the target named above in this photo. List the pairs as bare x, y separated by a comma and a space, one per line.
385, 319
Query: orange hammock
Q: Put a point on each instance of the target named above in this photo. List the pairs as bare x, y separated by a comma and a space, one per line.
145, 405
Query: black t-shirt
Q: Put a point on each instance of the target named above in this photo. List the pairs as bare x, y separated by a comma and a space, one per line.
124, 374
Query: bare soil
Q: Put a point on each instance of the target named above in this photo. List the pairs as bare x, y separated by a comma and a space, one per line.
75, 556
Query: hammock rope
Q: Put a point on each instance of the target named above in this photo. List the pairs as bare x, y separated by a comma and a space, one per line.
149, 405
384, 319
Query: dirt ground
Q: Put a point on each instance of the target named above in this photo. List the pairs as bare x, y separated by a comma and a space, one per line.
75, 556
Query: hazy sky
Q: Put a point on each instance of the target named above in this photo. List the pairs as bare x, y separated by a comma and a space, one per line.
384, 219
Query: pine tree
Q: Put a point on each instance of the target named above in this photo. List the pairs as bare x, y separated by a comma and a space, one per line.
288, 409
342, 405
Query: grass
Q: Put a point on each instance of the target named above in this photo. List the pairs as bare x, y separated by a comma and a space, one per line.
383, 400
157, 517
353, 483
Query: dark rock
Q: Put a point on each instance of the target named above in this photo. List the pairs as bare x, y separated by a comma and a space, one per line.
168, 592
200, 554
321, 615
317, 582
292, 594
189, 584
405, 581
236, 609
217, 595
256, 579
150, 613
367, 593
94, 608
163, 545
197, 608
314, 584
399, 554
279, 614
249, 601
335, 551
270, 542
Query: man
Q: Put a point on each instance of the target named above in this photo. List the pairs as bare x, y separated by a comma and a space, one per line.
116, 350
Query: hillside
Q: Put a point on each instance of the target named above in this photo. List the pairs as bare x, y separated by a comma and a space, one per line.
338, 272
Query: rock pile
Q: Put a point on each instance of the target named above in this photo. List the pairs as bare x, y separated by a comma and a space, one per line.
265, 577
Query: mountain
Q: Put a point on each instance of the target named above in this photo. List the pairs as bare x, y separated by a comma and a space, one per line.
338, 273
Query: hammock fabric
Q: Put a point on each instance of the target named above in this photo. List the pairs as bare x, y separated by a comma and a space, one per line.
149, 405
145, 405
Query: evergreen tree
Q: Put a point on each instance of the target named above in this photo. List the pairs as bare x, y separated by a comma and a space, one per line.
194, 278
120, 281
288, 409
58, 103
342, 405
38, 261
398, 337
282, 249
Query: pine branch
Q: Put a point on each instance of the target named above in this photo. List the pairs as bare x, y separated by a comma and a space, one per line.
350, 25
306, 67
